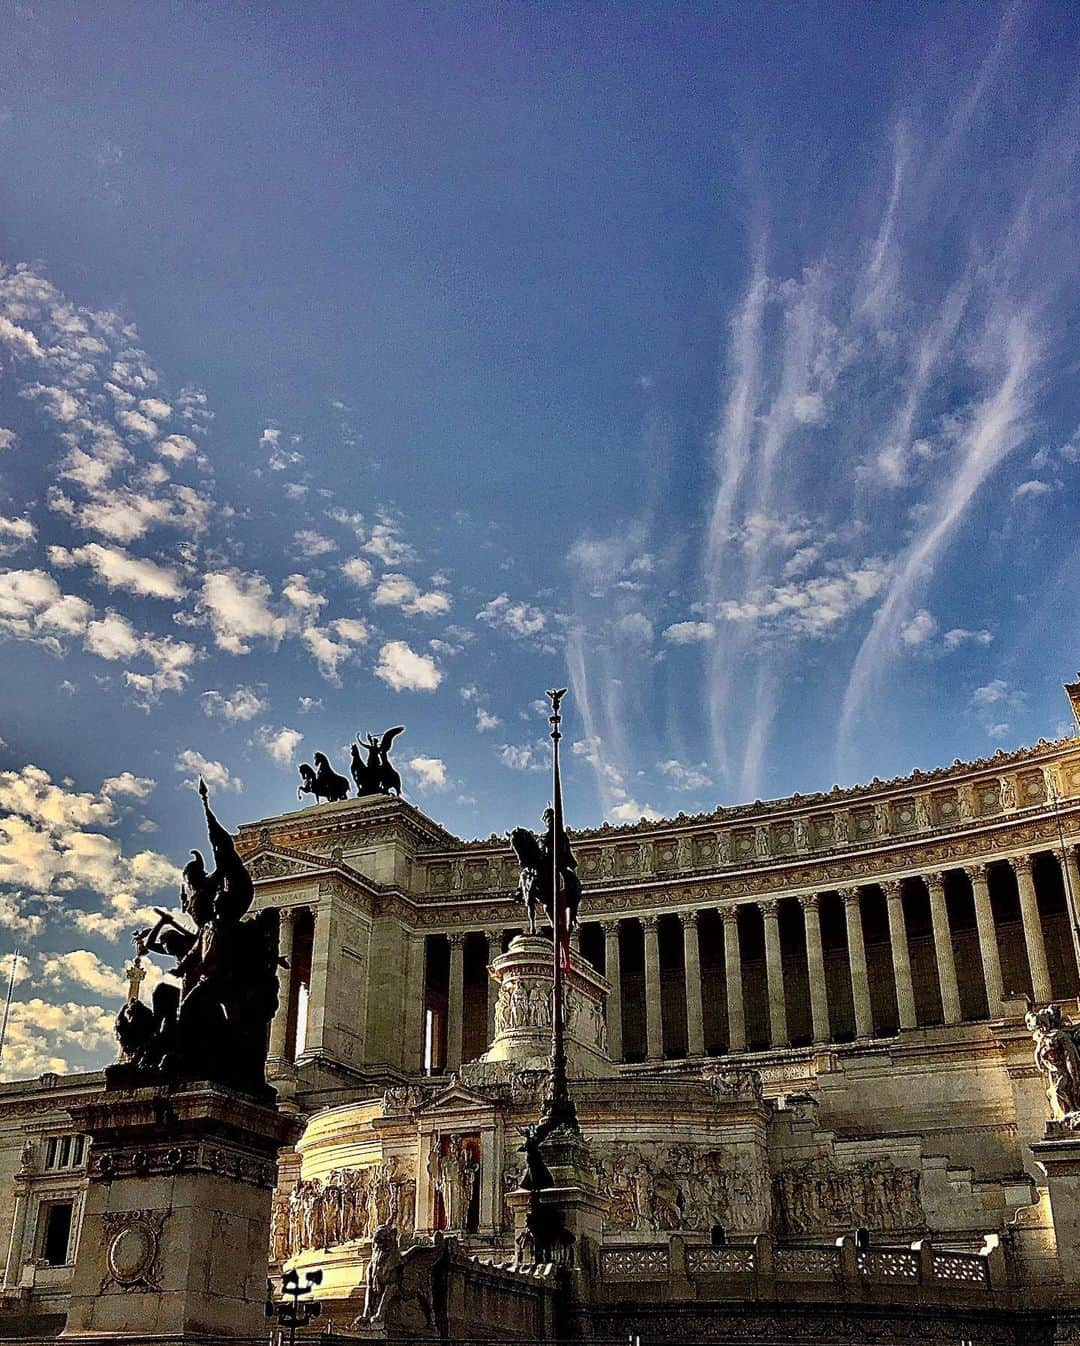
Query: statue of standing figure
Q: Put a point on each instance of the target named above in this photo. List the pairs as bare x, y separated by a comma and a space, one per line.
376, 775
1057, 1055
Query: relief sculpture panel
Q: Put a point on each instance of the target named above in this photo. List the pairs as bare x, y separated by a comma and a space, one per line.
344, 1207
681, 1187
818, 1197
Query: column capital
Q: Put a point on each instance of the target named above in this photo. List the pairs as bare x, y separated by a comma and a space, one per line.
934, 880
1022, 864
651, 922
850, 897
892, 890
978, 873
769, 908
689, 919
729, 915
611, 925
810, 901
286, 915
456, 939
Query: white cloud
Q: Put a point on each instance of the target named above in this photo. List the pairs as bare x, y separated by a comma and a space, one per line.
312, 544
685, 776
118, 569
811, 607
401, 668
1032, 488
959, 635
19, 340
635, 628
630, 811
429, 773
217, 776
921, 628
990, 693
387, 544
327, 652
396, 590
15, 533
7, 439
137, 423
523, 757
309, 703
112, 637
135, 787
243, 704
485, 720
520, 619
358, 571
177, 448
83, 968
689, 633
237, 606
279, 744
155, 407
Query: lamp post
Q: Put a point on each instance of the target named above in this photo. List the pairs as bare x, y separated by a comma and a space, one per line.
300, 1311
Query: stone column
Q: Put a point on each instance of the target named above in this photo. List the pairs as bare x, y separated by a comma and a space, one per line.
415, 1001
279, 1026
943, 948
736, 1014
815, 963
455, 1004
1033, 932
494, 948
320, 970
901, 960
654, 1026
1071, 879
988, 945
774, 976
695, 1019
860, 980
613, 973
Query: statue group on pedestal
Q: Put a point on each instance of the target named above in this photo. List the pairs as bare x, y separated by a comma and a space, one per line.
372, 774
536, 857
211, 1022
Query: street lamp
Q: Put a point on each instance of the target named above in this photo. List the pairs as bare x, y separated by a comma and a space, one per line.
295, 1314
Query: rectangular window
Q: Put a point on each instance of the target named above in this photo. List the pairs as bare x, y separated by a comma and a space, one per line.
50, 1153
57, 1232
78, 1151
65, 1151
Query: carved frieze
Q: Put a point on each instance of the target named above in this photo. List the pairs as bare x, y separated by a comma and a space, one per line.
820, 1197
662, 1188
345, 1206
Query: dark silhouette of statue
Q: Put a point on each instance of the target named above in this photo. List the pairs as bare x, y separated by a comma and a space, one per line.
536, 860
213, 1024
322, 781
377, 774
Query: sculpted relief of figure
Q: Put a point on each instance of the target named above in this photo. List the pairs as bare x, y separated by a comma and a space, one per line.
1057, 1055
923, 818
818, 1197
1007, 792
682, 1187
344, 1207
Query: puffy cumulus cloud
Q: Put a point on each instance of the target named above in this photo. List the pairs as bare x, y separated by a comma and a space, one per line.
216, 774
52, 842
60, 1037
689, 633
960, 635
7, 439
128, 784
83, 968
520, 619
312, 544
118, 569
524, 756
15, 533
279, 744
811, 607
485, 720
634, 628
396, 590
358, 571
921, 628
427, 773
176, 448
300, 596
170, 660
327, 652
991, 693
386, 543
351, 629
21, 913
138, 423
685, 776
237, 607
20, 341
32, 607
401, 668
243, 704
112, 637
1031, 489
630, 811
126, 514
155, 407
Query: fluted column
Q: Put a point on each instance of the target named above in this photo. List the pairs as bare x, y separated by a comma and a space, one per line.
736, 1013
613, 974
695, 1018
901, 959
455, 1004
654, 1025
943, 948
860, 979
988, 945
1033, 933
774, 976
1071, 879
493, 950
815, 963
279, 1026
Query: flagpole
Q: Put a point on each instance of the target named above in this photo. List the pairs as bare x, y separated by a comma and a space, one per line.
558, 1106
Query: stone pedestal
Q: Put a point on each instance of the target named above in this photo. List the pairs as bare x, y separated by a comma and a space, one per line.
1058, 1155
177, 1219
523, 1011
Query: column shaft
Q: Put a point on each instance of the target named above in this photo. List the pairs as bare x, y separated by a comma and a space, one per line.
654, 1027
320, 972
943, 948
415, 1001
988, 945
860, 979
613, 973
815, 964
1071, 880
695, 1019
774, 976
455, 1005
901, 959
1033, 932
736, 1013
494, 948
279, 1026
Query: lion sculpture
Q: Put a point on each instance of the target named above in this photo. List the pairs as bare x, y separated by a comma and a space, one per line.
399, 1283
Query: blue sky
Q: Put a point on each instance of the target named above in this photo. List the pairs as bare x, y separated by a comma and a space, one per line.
364, 365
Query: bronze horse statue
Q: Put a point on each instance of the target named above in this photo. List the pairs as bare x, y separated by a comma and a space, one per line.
322, 781
377, 774
535, 860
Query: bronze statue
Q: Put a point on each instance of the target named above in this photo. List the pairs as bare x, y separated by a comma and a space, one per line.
322, 781
377, 774
214, 1025
535, 857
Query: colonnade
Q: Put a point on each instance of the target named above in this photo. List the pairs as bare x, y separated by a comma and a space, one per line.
776, 994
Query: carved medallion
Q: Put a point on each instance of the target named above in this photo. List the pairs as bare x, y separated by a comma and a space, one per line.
133, 1255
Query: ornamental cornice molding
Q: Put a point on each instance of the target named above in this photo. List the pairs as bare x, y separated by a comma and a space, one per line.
392, 819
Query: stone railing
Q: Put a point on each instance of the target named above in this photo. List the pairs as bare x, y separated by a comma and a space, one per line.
761, 1269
